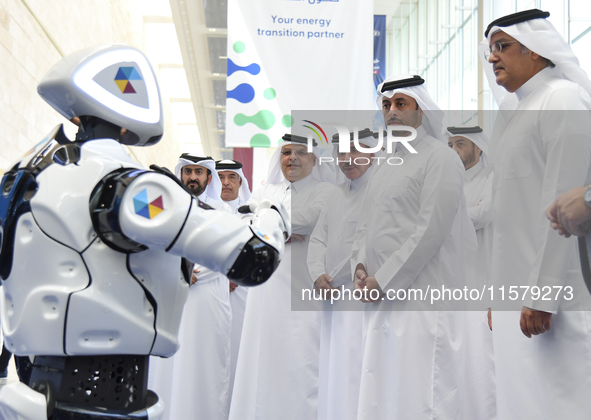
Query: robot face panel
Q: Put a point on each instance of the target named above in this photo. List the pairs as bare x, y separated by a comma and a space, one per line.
124, 81
115, 83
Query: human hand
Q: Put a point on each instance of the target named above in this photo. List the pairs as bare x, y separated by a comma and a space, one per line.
534, 322
233, 286
194, 277
568, 212
366, 285
296, 237
323, 283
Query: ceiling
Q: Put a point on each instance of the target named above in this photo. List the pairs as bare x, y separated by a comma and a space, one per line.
202, 29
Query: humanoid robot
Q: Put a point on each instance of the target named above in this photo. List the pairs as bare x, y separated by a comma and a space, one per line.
93, 247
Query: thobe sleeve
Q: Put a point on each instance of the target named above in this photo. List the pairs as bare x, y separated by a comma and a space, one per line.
205, 274
305, 215
567, 149
358, 247
440, 197
317, 248
481, 214
256, 196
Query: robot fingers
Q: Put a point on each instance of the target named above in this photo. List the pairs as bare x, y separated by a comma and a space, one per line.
264, 209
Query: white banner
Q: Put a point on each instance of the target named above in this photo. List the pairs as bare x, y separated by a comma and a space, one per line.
286, 55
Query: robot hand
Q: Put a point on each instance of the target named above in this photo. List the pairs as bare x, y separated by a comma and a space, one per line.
264, 215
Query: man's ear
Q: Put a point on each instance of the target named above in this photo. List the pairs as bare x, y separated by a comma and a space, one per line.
209, 179
314, 158
420, 111
240, 179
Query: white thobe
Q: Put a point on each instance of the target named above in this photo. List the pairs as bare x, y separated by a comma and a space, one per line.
238, 305
341, 334
414, 222
195, 382
543, 152
277, 370
479, 398
478, 183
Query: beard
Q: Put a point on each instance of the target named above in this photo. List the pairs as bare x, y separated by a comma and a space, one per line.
469, 159
196, 187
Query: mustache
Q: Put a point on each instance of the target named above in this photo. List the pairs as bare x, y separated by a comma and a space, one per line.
496, 67
195, 184
394, 119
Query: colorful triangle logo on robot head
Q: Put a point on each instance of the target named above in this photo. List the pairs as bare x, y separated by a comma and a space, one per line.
124, 77
145, 208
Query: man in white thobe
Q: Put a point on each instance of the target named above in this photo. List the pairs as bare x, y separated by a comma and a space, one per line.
195, 382
471, 144
277, 369
329, 255
412, 235
235, 193
542, 343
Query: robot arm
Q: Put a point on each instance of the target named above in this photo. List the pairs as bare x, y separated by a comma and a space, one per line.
135, 209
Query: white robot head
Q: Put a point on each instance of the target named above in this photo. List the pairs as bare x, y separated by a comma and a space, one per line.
108, 83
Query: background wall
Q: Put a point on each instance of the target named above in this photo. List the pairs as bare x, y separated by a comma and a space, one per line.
34, 35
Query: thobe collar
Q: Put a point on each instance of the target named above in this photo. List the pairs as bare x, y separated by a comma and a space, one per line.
298, 186
233, 203
285, 185
203, 197
421, 132
531, 85
473, 171
357, 184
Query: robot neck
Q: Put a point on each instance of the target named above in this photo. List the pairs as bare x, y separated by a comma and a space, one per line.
96, 128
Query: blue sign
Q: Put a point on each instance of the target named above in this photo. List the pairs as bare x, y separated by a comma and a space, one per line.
379, 49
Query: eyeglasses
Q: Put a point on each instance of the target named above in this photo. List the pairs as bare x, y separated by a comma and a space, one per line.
496, 48
299, 152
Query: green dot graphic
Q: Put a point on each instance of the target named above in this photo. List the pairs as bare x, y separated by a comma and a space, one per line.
260, 140
269, 93
239, 47
287, 121
263, 119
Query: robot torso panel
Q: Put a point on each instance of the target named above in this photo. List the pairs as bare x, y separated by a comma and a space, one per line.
79, 296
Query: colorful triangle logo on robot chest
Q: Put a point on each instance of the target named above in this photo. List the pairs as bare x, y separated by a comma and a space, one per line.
145, 208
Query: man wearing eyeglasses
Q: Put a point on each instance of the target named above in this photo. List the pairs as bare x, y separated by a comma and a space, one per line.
277, 368
541, 149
